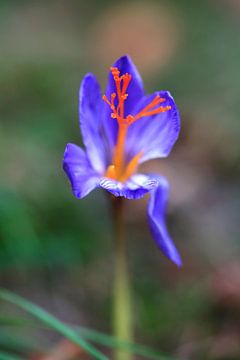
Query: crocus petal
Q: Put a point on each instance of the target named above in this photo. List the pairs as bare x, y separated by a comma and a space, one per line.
82, 176
154, 135
90, 110
135, 93
156, 216
134, 188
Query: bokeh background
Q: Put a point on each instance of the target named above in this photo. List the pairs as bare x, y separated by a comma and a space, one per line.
57, 251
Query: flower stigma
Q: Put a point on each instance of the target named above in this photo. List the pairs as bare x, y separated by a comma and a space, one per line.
119, 169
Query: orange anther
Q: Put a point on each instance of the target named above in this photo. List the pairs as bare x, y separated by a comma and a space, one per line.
129, 118
111, 172
106, 100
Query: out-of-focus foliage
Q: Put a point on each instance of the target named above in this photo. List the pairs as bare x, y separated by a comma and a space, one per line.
76, 334
58, 251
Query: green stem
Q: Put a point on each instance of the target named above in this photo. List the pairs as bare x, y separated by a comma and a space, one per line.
122, 324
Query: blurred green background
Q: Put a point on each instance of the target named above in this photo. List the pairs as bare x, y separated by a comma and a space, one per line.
58, 251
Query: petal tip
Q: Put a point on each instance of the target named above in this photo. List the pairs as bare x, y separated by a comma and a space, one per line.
88, 75
89, 81
77, 194
67, 150
124, 59
177, 260
126, 64
65, 154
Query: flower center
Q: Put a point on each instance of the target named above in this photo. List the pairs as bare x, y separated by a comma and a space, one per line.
119, 169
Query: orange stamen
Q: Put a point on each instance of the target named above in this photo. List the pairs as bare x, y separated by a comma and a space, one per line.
111, 172
119, 170
131, 167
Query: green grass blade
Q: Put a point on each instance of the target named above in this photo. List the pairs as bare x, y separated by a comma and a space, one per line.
113, 342
98, 338
51, 321
103, 339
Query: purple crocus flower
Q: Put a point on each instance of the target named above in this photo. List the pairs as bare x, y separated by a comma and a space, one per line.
121, 130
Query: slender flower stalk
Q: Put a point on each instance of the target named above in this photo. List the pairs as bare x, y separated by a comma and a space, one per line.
122, 312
